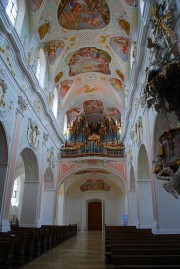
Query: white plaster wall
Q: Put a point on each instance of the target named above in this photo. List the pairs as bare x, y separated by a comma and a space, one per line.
132, 216
60, 206
73, 209
76, 208
48, 207
145, 204
114, 209
28, 213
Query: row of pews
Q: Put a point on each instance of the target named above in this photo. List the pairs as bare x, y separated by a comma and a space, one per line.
21, 245
129, 247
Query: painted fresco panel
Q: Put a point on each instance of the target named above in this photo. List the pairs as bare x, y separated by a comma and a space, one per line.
95, 185
120, 46
78, 14
116, 83
54, 49
88, 59
65, 86
93, 106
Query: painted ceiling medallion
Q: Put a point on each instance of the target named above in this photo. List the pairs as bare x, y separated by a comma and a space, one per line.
65, 86
116, 83
95, 185
54, 49
112, 111
120, 46
93, 106
83, 14
88, 59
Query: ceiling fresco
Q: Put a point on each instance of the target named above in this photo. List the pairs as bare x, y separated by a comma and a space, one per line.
120, 45
116, 83
65, 85
87, 48
54, 49
114, 112
99, 171
83, 14
93, 107
88, 60
95, 185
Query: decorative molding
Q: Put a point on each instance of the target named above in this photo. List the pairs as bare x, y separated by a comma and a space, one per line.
36, 106
3, 88
129, 156
95, 185
67, 167
139, 131
33, 134
22, 105
51, 159
132, 135
45, 137
118, 167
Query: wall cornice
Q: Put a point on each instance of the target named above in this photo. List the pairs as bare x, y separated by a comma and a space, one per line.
137, 65
30, 80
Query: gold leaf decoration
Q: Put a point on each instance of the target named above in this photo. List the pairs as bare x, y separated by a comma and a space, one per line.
120, 74
58, 77
125, 26
44, 29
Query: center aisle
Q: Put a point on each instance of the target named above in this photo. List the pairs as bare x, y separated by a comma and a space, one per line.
84, 251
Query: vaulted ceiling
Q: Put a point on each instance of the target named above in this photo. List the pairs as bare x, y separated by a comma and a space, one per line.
87, 44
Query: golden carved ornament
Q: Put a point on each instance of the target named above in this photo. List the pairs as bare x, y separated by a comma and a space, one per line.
44, 29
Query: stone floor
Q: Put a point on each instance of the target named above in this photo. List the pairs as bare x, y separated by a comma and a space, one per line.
84, 251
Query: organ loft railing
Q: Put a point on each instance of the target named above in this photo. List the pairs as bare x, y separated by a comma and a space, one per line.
84, 138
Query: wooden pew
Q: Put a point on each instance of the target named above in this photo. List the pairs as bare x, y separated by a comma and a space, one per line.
6, 253
18, 247
129, 247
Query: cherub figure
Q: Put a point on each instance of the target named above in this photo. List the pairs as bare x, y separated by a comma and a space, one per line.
173, 186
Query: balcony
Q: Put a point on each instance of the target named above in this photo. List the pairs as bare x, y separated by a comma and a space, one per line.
93, 149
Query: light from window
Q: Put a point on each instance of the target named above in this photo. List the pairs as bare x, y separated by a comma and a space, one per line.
55, 103
12, 10
38, 70
14, 199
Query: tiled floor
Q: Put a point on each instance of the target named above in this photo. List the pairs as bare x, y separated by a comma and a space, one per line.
84, 251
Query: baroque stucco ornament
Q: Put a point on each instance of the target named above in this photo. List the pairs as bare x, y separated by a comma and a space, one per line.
33, 134
22, 105
50, 159
139, 131
3, 88
173, 180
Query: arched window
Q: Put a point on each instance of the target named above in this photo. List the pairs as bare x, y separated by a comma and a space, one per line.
41, 68
12, 10
16, 192
65, 123
38, 70
141, 6
55, 103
